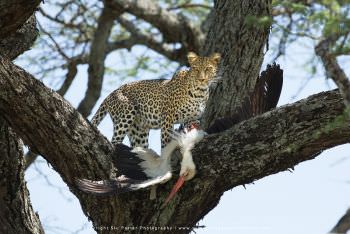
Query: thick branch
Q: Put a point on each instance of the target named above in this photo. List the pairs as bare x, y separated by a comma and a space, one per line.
16, 212
20, 41
30, 156
13, 14
50, 126
242, 154
27, 95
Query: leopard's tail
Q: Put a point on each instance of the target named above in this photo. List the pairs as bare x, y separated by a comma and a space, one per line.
100, 114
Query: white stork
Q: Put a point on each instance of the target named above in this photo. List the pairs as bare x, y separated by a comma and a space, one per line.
141, 168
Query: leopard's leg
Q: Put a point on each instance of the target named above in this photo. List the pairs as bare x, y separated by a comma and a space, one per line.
122, 119
119, 132
166, 130
138, 136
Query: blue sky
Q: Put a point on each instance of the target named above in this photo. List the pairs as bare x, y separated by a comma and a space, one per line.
309, 200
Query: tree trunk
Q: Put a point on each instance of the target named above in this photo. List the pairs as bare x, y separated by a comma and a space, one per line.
16, 212
241, 45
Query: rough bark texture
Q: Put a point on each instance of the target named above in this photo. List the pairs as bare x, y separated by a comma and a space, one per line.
16, 212
18, 33
18, 42
241, 45
47, 123
13, 14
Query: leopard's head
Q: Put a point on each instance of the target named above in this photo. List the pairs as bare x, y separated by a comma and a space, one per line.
203, 69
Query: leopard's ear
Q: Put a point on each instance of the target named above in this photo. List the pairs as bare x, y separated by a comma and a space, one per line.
192, 57
215, 58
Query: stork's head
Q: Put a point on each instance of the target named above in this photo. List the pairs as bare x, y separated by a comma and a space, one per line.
192, 135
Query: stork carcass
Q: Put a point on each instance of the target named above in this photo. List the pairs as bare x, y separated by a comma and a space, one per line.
142, 168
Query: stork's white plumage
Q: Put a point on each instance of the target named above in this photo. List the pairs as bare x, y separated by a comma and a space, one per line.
142, 167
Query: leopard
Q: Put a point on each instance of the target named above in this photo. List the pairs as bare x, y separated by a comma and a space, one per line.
139, 106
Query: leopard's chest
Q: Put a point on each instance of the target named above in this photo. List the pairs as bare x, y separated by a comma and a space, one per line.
191, 107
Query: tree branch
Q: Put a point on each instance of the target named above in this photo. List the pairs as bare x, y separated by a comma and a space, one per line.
174, 27
343, 225
333, 69
20, 41
47, 123
16, 213
142, 38
14, 13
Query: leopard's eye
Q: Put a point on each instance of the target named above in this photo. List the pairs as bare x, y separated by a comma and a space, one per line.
209, 69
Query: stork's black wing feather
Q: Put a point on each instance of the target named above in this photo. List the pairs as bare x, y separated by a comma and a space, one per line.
264, 98
128, 163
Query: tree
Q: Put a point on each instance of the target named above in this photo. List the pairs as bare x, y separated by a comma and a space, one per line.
238, 30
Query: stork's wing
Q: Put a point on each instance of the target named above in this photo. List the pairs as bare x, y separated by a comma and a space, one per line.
119, 185
264, 98
128, 163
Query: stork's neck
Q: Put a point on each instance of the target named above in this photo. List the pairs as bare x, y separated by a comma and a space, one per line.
168, 150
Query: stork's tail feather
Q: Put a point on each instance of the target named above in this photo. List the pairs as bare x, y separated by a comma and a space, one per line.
103, 187
119, 185
100, 114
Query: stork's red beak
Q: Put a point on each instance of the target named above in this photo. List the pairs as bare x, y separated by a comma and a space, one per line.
176, 188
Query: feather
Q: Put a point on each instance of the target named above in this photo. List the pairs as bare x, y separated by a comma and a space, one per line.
265, 97
120, 185
128, 163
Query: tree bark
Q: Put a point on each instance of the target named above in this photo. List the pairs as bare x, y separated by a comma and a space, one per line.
241, 45
16, 212
13, 14
20, 41
47, 123
18, 33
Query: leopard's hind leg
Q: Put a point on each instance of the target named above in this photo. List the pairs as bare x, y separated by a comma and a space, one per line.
122, 119
138, 136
